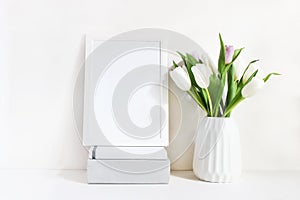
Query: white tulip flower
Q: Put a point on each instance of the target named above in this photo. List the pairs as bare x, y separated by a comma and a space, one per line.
252, 87
252, 68
181, 78
202, 75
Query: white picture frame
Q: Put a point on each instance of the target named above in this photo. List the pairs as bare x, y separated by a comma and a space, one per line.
141, 53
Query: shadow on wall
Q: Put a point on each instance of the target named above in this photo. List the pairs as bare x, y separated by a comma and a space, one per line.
78, 176
77, 99
184, 115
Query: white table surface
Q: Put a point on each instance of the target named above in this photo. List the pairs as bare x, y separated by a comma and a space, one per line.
71, 184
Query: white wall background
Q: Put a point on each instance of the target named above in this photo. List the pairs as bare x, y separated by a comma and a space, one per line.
42, 48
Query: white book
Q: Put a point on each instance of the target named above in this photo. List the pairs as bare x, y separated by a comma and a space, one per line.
129, 153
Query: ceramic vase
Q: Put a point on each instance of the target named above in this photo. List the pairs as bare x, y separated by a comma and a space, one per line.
217, 154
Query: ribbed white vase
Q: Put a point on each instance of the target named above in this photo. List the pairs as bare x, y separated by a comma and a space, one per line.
217, 155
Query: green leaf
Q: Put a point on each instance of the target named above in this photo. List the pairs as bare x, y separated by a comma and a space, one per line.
215, 89
238, 96
269, 75
222, 104
221, 62
253, 61
226, 68
191, 75
193, 92
251, 77
175, 65
204, 99
188, 67
182, 57
236, 54
193, 61
203, 96
232, 86
236, 100
241, 85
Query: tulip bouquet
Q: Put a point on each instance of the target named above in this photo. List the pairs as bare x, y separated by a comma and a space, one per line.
197, 75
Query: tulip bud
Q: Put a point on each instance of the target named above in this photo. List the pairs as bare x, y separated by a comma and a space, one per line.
229, 53
252, 87
181, 78
202, 75
195, 55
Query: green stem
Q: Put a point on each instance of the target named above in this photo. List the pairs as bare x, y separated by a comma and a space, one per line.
197, 100
218, 101
222, 105
202, 96
209, 101
231, 87
233, 105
